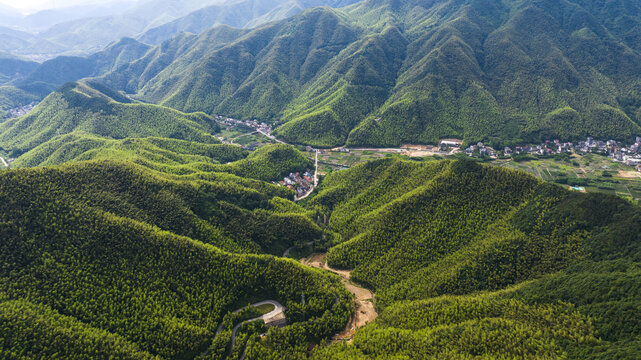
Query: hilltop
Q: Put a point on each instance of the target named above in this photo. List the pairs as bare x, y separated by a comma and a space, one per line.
385, 73
95, 109
103, 259
467, 259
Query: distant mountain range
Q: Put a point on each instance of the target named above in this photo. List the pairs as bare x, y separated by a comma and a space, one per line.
384, 73
82, 30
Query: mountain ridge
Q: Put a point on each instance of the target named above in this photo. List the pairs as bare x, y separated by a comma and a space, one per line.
449, 70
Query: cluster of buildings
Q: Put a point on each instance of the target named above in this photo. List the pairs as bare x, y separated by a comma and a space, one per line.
481, 150
254, 124
548, 147
300, 183
627, 154
20, 111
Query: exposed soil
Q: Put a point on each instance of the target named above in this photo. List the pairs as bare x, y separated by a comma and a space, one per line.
630, 174
363, 298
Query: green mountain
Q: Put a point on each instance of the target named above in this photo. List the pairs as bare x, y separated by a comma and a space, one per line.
238, 14
83, 30
23, 82
384, 73
54, 73
12, 68
13, 97
128, 231
102, 259
121, 258
469, 260
134, 75
95, 109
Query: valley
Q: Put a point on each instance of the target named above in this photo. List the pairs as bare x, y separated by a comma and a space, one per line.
321, 180
364, 299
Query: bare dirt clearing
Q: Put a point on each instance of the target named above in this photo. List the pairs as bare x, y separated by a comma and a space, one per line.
630, 174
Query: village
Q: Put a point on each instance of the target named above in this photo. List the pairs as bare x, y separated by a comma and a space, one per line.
253, 124
301, 184
20, 111
629, 155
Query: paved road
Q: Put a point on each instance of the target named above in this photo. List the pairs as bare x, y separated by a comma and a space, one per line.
4, 162
279, 310
272, 137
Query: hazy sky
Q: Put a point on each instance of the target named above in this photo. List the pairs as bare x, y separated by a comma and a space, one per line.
48, 4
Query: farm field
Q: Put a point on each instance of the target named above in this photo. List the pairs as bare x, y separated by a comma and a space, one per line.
593, 172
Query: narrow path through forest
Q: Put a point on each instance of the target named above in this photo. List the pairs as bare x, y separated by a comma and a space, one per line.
364, 299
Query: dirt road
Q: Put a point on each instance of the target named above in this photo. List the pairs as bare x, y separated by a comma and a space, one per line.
364, 299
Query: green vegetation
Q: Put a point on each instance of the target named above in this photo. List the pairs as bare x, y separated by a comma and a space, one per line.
140, 260
12, 67
462, 232
97, 110
108, 255
128, 231
384, 74
12, 97
163, 154
485, 326
269, 163
595, 173
196, 199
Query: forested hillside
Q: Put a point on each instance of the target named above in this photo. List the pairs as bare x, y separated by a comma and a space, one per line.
89, 28
129, 231
53, 73
157, 153
237, 14
428, 237
95, 109
96, 262
382, 74
11, 67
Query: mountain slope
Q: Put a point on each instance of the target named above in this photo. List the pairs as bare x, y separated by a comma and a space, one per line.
54, 73
98, 110
397, 72
451, 235
83, 30
12, 68
238, 14
470, 260
82, 260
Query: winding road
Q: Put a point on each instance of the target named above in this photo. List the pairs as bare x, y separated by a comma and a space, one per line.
271, 316
4, 162
271, 137
275, 315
